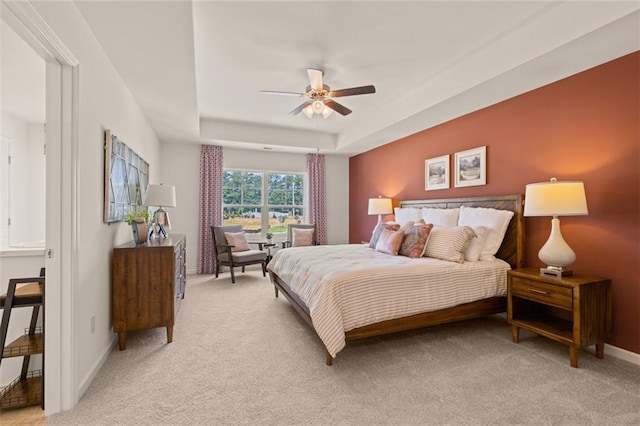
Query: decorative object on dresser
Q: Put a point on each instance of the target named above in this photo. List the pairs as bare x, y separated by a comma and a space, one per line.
436, 171
574, 310
27, 389
148, 283
160, 196
380, 206
555, 199
471, 167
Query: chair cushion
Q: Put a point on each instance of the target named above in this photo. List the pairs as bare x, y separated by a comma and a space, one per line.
302, 237
238, 240
244, 256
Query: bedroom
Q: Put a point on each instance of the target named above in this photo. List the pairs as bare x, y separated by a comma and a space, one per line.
167, 155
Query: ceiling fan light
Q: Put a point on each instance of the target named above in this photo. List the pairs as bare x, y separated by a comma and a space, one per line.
326, 112
308, 111
318, 106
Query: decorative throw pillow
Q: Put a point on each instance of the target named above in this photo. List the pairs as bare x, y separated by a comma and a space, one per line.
496, 220
378, 230
302, 237
406, 214
441, 217
449, 243
415, 239
238, 240
475, 246
389, 241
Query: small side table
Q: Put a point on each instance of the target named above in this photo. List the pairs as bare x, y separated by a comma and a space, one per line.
269, 246
574, 310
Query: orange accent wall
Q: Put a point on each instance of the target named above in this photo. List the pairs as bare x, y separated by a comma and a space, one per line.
584, 127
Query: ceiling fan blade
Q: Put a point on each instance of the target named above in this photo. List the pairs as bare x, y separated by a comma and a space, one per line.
362, 90
315, 78
300, 108
340, 109
275, 92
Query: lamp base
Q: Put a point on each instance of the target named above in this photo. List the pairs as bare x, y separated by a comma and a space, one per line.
556, 271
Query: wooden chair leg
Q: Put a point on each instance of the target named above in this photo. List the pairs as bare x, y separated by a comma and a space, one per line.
264, 269
217, 268
233, 277
243, 269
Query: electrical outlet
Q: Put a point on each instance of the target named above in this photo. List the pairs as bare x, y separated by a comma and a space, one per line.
93, 323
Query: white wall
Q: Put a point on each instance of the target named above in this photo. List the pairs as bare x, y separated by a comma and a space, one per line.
180, 166
104, 103
27, 180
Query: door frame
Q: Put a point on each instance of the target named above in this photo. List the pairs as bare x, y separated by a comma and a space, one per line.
61, 391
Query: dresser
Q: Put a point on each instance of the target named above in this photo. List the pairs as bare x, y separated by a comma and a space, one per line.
148, 283
573, 310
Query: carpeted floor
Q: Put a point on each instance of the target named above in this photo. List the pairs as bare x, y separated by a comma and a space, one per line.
242, 357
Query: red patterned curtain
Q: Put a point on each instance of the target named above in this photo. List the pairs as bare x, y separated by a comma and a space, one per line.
317, 196
211, 175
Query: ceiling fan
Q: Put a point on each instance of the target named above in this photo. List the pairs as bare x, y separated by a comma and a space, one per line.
320, 96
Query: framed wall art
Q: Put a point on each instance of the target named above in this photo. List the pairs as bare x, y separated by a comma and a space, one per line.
436, 173
471, 167
126, 176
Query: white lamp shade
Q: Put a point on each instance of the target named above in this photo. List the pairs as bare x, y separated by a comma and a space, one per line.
380, 206
160, 195
555, 198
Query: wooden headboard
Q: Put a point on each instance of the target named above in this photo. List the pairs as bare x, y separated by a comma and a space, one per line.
512, 248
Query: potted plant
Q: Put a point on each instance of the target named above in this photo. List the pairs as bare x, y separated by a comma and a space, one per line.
269, 237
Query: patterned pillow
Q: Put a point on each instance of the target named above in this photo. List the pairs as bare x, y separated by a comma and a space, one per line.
238, 240
389, 241
449, 243
378, 230
302, 237
415, 239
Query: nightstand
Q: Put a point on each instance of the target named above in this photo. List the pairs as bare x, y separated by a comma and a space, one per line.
574, 310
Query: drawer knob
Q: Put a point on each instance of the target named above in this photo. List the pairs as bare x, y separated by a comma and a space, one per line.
535, 290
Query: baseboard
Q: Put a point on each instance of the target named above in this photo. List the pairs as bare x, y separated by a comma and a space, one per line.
95, 368
619, 353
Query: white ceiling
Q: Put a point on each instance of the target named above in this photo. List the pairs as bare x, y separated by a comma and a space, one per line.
197, 68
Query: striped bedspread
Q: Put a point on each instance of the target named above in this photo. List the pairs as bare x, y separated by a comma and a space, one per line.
349, 286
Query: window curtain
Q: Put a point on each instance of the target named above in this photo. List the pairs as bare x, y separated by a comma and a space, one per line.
211, 175
317, 196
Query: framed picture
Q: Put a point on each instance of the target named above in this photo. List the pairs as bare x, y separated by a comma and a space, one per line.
126, 176
436, 173
471, 167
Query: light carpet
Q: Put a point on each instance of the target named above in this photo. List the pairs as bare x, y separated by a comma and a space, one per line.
242, 357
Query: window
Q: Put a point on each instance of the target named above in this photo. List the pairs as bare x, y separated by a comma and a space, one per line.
263, 201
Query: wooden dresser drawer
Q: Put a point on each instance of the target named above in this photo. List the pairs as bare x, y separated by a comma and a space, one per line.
549, 294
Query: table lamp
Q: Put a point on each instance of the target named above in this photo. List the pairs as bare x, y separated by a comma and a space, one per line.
380, 206
159, 195
555, 198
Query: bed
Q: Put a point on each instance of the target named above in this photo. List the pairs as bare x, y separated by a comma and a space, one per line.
292, 269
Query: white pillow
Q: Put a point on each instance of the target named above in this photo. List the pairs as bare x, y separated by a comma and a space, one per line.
407, 214
475, 247
449, 243
496, 220
441, 217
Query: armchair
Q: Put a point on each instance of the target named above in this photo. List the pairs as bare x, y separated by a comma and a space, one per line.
296, 242
225, 257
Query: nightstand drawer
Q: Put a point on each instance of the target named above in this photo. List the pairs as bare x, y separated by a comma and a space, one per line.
549, 294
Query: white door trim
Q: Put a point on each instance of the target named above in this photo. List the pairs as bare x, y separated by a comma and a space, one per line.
61, 387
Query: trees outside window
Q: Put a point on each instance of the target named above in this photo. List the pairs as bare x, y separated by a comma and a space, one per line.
263, 201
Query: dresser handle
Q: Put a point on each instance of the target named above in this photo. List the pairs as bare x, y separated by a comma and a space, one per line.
535, 290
